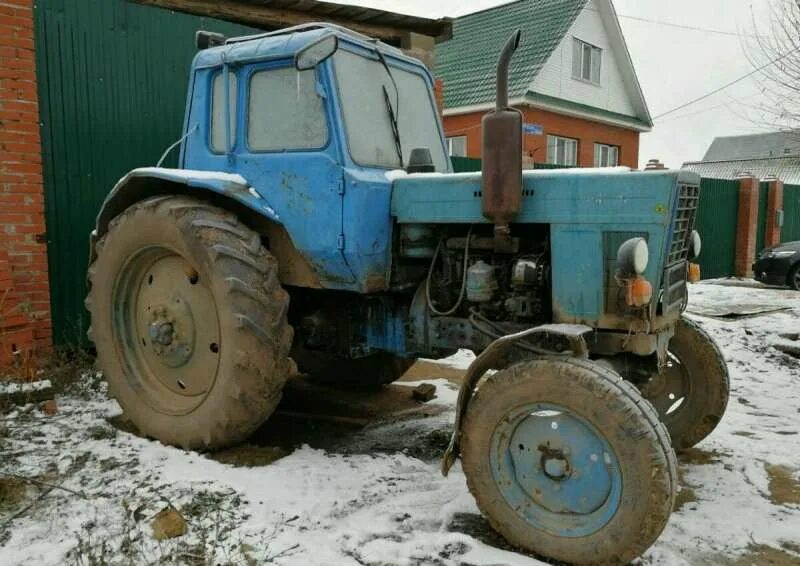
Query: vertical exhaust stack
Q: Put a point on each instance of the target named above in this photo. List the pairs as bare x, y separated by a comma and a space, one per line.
502, 153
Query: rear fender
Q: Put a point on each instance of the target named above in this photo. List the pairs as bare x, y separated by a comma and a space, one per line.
229, 191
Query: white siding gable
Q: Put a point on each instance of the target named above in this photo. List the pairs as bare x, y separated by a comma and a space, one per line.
613, 94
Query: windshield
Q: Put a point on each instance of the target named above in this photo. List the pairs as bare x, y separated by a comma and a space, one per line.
369, 129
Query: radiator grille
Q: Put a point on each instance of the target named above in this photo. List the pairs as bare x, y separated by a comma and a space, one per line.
682, 226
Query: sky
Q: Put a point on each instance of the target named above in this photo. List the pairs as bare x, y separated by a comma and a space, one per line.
674, 65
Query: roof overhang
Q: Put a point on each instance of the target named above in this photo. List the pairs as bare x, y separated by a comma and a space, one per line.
389, 27
563, 107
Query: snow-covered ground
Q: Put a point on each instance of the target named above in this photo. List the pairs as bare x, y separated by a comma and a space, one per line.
375, 495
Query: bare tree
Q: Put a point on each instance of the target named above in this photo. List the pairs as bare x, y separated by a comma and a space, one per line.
775, 51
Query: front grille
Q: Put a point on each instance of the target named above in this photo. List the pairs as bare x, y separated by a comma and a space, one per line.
682, 226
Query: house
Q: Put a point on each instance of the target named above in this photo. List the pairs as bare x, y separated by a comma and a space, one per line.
90, 89
572, 77
775, 154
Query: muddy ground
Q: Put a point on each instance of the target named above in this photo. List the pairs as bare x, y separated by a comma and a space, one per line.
352, 477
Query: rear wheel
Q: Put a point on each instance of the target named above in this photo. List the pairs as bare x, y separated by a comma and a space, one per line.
568, 461
691, 393
189, 321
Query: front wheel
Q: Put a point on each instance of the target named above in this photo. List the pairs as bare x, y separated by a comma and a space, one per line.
189, 321
793, 280
567, 460
692, 392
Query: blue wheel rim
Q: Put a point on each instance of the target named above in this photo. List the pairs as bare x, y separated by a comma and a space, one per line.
555, 470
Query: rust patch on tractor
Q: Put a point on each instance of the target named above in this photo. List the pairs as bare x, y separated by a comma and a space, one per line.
375, 282
293, 268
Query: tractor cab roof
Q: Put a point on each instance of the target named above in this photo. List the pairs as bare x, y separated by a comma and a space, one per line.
285, 43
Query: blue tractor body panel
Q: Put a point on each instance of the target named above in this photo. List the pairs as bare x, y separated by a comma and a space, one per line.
581, 207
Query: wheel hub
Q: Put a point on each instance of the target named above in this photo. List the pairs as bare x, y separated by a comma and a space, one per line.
556, 469
169, 321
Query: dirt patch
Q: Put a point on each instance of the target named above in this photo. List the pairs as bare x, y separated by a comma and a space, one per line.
686, 493
430, 370
746, 433
784, 487
250, 455
699, 457
764, 555
12, 492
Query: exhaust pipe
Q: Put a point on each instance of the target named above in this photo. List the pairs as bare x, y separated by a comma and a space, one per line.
502, 154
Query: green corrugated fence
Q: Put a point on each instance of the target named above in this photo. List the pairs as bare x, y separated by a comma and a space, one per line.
791, 213
716, 222
112, 89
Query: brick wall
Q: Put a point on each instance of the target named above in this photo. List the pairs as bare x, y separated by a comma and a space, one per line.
22, 229
585, 131
746, 226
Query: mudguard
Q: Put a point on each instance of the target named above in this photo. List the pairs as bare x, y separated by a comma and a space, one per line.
145, 182
493, 357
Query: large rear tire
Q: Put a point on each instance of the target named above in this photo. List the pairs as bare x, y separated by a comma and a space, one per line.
189, 320
568, 461
691, 394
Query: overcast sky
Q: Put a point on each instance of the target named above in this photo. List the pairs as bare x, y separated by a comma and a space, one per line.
674, 65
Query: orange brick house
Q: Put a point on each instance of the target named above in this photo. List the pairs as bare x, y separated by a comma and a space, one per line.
572, 77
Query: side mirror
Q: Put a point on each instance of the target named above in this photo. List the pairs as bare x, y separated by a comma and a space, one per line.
316, 52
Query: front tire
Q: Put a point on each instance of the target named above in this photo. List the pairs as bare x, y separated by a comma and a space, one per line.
567, 460
189, 321
691, 394
793, 279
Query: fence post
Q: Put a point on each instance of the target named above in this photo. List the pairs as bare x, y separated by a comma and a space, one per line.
774, 204
747, 222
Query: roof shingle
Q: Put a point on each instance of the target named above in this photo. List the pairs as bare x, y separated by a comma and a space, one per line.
467, 62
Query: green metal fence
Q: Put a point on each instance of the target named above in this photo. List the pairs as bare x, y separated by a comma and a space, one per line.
791, 213
464, 164
761, 227
716, 222
112, 88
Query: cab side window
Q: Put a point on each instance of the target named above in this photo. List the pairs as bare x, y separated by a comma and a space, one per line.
218, 117
285, 111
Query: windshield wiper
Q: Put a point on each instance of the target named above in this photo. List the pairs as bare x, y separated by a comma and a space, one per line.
393, 112
393, 122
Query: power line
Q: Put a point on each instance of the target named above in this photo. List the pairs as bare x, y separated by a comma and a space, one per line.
680, 26
723, 87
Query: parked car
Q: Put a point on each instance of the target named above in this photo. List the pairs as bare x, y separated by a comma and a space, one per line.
779, 265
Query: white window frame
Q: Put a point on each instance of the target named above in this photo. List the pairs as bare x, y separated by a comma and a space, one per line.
562, 151
587, 60
452, 142
606, 155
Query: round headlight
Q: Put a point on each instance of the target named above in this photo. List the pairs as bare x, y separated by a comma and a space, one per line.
695, 244
632, 256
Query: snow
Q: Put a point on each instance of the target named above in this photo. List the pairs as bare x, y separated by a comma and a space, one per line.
24, 387
376, 496
189, 174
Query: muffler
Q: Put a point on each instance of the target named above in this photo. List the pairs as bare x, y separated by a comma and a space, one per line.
502, 153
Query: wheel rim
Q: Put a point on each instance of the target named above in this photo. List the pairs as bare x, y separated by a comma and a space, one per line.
556, 470
670, 390
166, 329
797, 280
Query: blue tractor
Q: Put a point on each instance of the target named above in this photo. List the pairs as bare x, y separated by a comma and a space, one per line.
315, 223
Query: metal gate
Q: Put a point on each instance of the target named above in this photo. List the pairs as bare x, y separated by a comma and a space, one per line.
112, 87
716, 222
791, 213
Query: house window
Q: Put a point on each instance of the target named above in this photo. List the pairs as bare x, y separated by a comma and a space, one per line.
586, 61
562, 151
218, 134
457, 146
606, 155
285, 111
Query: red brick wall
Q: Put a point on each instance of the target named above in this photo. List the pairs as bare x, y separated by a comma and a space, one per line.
746, 226
774, 204
585, 131
22, 229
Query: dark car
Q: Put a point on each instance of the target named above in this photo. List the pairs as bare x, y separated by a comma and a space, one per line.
779, 265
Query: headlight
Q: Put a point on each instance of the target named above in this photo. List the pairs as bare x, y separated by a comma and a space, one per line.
786, 253
632, 256
695, 244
